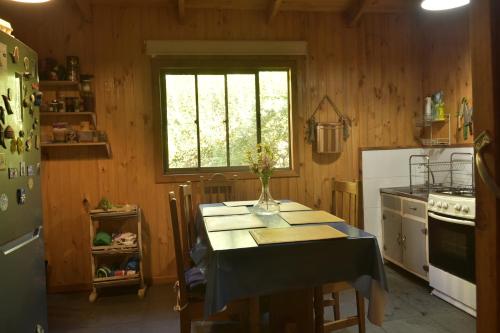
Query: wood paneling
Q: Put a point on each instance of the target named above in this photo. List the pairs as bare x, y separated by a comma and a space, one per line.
447, 62
373, 72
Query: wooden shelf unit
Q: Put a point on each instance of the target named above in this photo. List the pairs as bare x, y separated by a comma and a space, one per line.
59, 85
102, 145
116, 250
70, 117
58, 115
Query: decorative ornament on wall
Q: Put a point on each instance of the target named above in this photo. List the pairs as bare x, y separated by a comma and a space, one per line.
4, 202
21, 196
3, 162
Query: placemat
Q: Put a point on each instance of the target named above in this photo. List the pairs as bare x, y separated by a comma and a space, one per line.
222, 223
292, 206
309, 217
240, 203
223, 210
295, 234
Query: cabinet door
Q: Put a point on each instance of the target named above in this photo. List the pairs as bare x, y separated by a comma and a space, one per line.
391, 224
414, 246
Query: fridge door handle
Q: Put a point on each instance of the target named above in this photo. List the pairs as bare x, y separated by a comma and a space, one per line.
21, 242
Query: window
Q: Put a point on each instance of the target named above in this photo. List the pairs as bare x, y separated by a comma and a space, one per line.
212, 116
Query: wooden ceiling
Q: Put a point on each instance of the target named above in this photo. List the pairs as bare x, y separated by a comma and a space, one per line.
353, 9
284, 5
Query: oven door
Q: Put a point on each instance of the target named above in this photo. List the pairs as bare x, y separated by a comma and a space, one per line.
452, 245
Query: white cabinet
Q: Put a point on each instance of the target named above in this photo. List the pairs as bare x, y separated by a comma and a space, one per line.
404, 230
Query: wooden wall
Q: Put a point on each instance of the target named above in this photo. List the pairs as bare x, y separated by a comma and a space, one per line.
373, 72
446, 60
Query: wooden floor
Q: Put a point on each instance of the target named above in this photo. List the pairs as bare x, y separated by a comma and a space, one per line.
411, 309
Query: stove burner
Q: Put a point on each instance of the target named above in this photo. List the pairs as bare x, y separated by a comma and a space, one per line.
456, 191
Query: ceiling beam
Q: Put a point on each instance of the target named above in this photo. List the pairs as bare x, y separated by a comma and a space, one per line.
85, 9
181, 7
274, 9
356, 11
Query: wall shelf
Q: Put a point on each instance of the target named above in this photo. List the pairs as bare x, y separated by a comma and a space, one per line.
55, 85
51, 115
102, 145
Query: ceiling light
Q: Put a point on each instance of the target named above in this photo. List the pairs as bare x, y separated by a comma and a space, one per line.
31, 1
443, 4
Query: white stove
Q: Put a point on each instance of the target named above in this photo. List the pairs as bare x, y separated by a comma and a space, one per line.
452, 249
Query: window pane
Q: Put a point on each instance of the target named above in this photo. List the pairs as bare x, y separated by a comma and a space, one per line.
274, 120
181, 117
212, 113
242, 116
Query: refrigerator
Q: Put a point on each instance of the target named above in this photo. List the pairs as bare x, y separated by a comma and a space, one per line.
23, 305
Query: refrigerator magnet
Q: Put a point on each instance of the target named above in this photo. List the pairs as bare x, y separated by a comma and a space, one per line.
20, 146
31, 170
2, 138
13, 173
13, 146
22, 168
31, 183
28, 145
21, 196
6, 103
26, 62
15, 55
3, 162
4, 202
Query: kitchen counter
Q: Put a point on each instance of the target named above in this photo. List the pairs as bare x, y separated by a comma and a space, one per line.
405, 192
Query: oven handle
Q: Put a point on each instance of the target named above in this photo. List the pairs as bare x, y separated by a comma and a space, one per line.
450, 220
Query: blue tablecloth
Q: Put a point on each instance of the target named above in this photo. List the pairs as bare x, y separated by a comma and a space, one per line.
241, 270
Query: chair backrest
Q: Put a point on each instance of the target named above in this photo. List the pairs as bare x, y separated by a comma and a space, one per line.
217, 188
345, 201
179, 253
187, 215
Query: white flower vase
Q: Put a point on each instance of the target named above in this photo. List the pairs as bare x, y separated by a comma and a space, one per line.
266, 204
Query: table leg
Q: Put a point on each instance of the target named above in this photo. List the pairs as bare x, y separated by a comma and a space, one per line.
292, 311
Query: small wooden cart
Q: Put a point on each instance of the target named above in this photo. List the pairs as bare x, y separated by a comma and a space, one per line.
126, 218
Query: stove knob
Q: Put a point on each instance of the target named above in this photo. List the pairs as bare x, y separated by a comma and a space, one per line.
439, 204
431, 202
465, 209
445, 205
458, 207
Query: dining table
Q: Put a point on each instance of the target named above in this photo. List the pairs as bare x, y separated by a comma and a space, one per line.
236, 266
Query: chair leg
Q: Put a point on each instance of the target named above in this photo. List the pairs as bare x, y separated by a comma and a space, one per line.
319, 315
254, 315
185, 321
360, 304
336, 307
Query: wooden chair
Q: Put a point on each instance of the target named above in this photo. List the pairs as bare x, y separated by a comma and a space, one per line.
346, 197
217, 188
190, 303
345, 204
187, 215
321, 325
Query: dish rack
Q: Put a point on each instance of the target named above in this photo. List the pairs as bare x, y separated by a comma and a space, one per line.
454, 176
